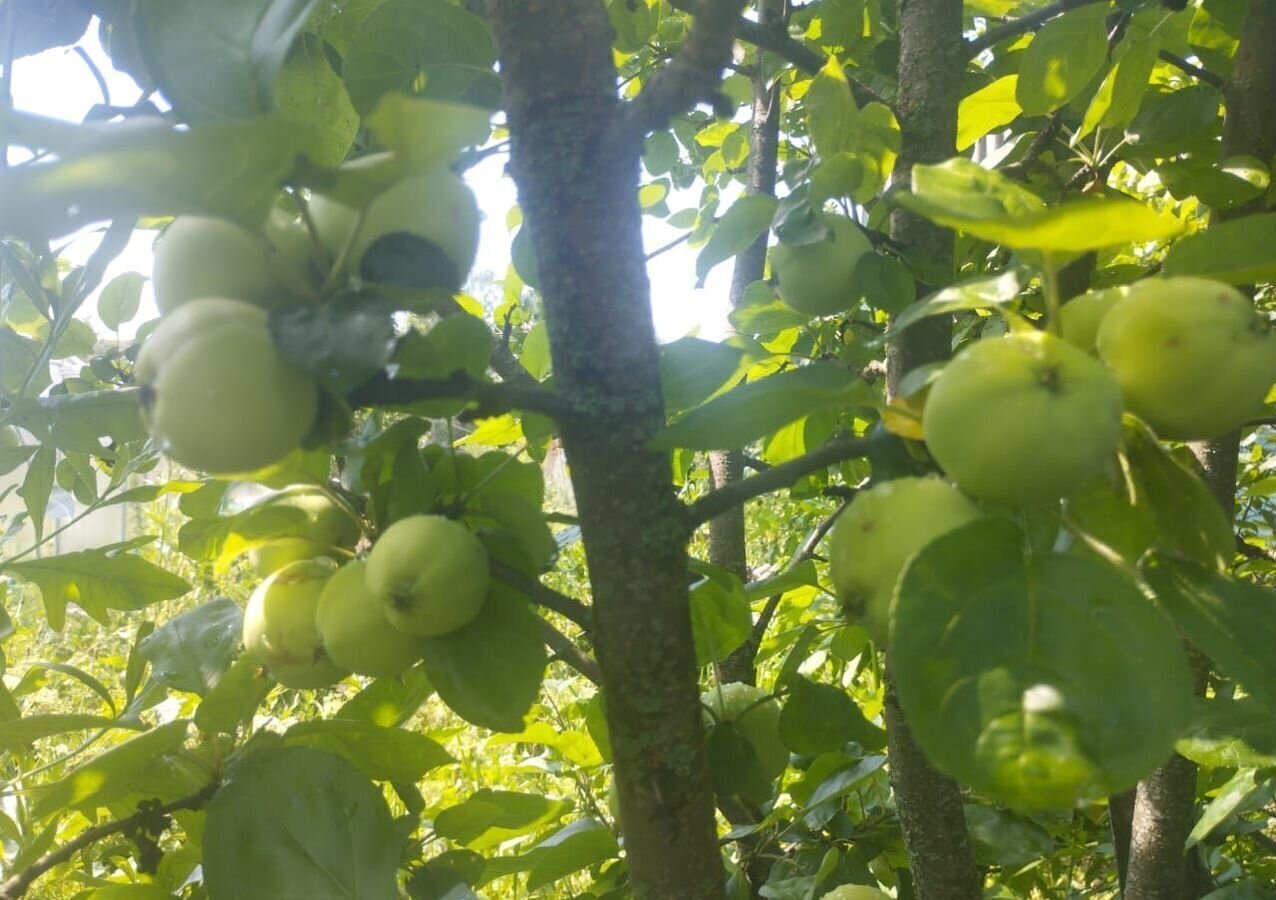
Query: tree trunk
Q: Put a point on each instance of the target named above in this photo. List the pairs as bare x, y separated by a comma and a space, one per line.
1165, 806
726, 533
932, 59
577, 184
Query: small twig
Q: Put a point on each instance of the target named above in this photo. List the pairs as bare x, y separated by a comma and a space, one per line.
568, 607
1023, 24
96, 72
665, 248
1250, 551
493, 398
1193, 69
692, 76
757, 465
776, 478
569, 653
18, 885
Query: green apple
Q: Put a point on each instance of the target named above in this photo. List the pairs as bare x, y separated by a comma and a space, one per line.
431, 574
1193, 356
268, 558
856, 892
198, 257
355, 631
881, 530
280, 630
756, 715
303, 511
217, 395
1081, 316
818, 279
436, 206
1023, 419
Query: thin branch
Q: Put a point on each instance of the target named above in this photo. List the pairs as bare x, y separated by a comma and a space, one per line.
1193, 69
567, 607
569, 653
18, 885
1251, 551
757, 465
493, 398
776, 478
693, 75
665, 248
1023, 24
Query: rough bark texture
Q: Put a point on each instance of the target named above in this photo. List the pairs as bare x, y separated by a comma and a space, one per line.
1165, 809
577, 186
932, 58
727, 546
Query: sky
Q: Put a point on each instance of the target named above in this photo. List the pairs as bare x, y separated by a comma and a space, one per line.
58, 84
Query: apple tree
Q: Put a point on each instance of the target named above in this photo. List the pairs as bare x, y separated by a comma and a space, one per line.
945, 573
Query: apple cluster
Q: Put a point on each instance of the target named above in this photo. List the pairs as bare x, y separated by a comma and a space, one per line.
1025, 419
217, 393
313, 620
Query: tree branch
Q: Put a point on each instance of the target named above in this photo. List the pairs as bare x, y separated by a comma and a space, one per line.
568, 607
493, 398
1193, 69
569, 653
776, 477
1023, 24
18, 885
693, 75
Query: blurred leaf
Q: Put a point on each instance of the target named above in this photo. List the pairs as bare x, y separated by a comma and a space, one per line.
118, 303
18, 733
192, 651
488, 818
1230, 797
311, 96
721, 619
819, 718
747, 220
991, 107
382, 753
1230, 734
235, 697
1062, 58
1238, 251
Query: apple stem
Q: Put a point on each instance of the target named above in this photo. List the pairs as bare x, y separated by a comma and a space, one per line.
1050, 282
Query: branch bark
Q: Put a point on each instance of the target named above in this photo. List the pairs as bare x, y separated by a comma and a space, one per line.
568, 607
576, 166
1022, 25
569, 653
20, 883
775, 478
932, 59
493, 398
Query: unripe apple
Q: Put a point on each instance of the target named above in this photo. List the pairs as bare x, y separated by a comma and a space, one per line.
818, 279
355, 631
881, 530
217, 395
268, 558
1193, 356
280, 630
436, 206
1080, 317
1023, 419
756, 715
198, 257
856, 892
431, 574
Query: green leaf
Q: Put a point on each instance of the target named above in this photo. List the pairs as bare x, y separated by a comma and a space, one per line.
1232, 621
1062, 58
18, 733
490, 671
1230, 734
78, 422
1037, 680
1230, 798
692, 369
119, 301
132, 766
660, 152
1001, 838
1188, 520
581, 844
382, 753
747, 220
1238, 251
752, 410
36, 487
1226, 184
488, 818
311, 96
820, 718
1119, 97
961, 194
427, 48
234, 698
389, 702
978, 293
135, 168
96, 581
830, 109
297, 822
342, 344
987, 109
192, 651
217, 61
721, 619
